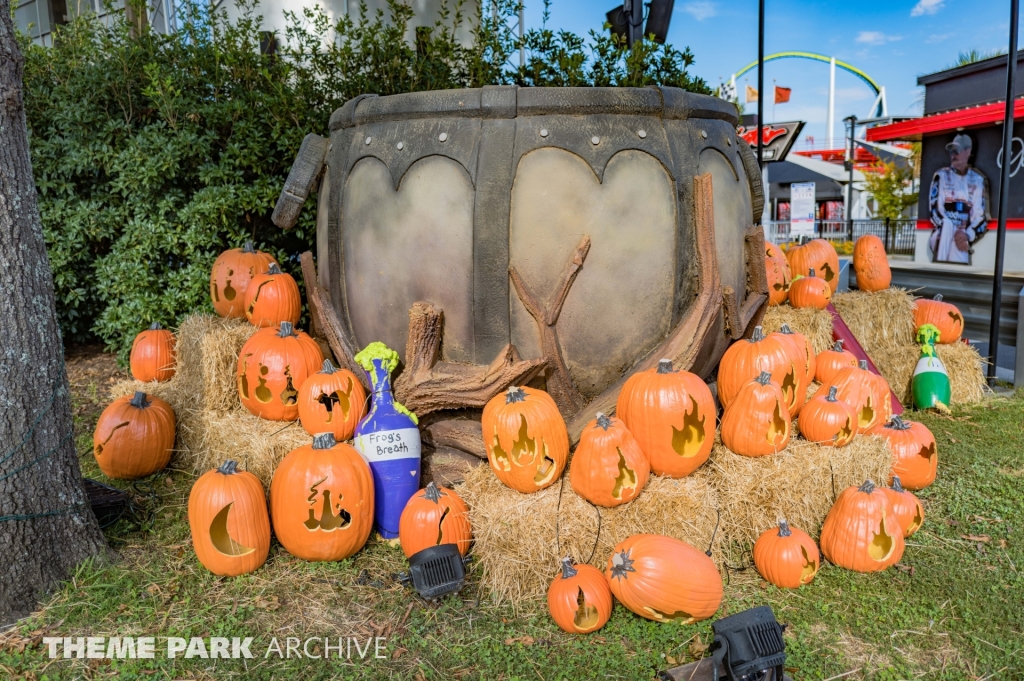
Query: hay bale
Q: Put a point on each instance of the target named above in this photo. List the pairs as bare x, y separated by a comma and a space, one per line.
880, 321
963, 364
815, 324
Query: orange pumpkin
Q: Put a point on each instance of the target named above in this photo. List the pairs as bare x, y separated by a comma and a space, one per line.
786, 557
272, 298
757, 422
861, 531
227, 514
871, 264
434, 516
828, 420
806, 365
525, 437
579, 598
272, 366
134, 437
819, 255
831, 362
152, 357
746, 359
232, 271
332, 400
914, 456
608, 468
778, 280
866, 392
664, 579
321, 500
906, 506
943, 316
810, 291
667, 412
774, 251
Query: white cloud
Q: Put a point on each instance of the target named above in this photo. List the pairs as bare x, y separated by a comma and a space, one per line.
938, 37
926, 7
877, 37
702, 9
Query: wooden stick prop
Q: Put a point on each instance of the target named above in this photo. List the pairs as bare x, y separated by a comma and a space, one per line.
427, 384
559, 384
461, 434
327, 322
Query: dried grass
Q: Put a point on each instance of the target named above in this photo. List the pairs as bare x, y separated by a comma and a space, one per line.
815, 324
880, 321
963, 364
212, 424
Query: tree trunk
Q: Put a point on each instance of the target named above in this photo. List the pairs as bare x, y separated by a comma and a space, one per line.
46, 525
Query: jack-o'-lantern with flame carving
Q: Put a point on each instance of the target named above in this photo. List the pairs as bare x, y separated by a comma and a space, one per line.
862, 532
579, 599
608, 468
227, 514
757, 423
272, 366
526, 439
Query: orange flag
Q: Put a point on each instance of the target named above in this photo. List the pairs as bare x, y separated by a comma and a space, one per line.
782, 94
751, 94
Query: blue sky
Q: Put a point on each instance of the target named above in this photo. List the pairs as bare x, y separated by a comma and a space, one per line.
894, 41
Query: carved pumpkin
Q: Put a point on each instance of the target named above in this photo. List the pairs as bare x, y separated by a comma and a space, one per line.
134, 437
153, 357
786, 557
866, 392
828, 420
579, 598
272, 298
774, 251
434, 516
232, 271
746, 359
525, 437
664, 579
943, 316
272, 366
778, 280
608, 468
227, 514
914, 456
757, 422
831, 362
861, 532
672, 415
806, 366
871, 264
810, 291
331, 400
321, 500
819, 255
906, 506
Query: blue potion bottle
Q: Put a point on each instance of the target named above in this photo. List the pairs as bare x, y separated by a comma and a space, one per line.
389, 440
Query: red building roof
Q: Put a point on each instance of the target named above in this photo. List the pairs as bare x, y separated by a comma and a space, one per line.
972, 117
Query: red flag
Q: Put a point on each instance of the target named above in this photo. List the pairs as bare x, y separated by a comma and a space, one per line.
782, 94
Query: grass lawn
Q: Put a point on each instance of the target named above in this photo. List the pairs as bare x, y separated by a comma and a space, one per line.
953, 609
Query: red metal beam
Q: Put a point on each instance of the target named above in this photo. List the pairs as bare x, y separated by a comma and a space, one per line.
986, 114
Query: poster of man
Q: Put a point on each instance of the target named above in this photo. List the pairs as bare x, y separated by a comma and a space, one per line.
958, 202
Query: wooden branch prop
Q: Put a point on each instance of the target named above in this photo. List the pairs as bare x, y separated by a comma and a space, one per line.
327, 322
730, 308
752, 311
686, 339
427, 384
461, 434
559, 383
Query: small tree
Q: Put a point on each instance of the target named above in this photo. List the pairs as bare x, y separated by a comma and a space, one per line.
892, 189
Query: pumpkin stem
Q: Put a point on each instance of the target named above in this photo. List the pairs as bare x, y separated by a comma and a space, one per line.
286, 330
812, 272
863, 364
938, 297
603, 420
228, 468
140, 400
327, 368
324, 441
832, 391
758, 335
764, 379
784, 530
897, 423
514, 394
432, 492
248, 247
274, 269
568, 571
155, 326
664, 366
896, 484
838, 347
868, 487
785, 329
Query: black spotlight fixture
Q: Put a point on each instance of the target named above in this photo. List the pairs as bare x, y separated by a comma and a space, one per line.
749, 645
658, 18
436, 572
627, 20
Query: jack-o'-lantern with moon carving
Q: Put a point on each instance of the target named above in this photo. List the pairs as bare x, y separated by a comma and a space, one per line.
227, 513
272, 366
229, 279
321, 500
862, 531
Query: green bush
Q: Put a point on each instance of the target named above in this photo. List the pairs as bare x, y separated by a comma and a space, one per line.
153, 153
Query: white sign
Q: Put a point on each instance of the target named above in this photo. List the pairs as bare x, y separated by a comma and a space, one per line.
801, 210
388, 445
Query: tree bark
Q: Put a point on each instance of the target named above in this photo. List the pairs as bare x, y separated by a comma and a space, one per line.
46, 525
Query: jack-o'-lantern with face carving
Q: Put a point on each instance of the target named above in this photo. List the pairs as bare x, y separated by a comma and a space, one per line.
272, 366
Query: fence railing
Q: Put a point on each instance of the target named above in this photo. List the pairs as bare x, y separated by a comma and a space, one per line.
899, 236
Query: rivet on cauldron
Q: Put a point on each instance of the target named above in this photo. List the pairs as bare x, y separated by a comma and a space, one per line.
595, 140
368, 140
728, 142
543, 132
400, 146
703, 134
642, 134
443, 137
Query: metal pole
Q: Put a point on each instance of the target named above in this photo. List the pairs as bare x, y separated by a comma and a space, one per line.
849, 184
760, 85
887, 247
522, 45
1004, 191
831, 123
